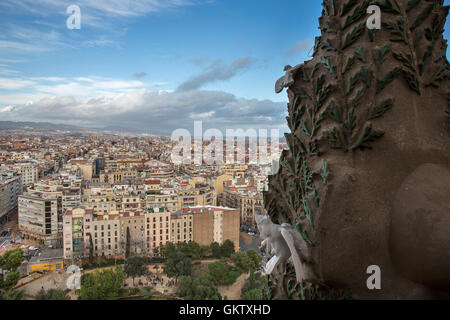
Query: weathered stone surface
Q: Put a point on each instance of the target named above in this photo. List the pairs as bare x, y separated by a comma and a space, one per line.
368, 114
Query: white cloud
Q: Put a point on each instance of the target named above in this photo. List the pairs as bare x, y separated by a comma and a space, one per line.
114, 8
160, 112
217, 71
305, 45
6, 109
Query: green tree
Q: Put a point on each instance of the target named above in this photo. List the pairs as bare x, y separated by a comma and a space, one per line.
11, 279
178, 264
135, 267
52, 294
168, 249
216, 250
227, 249
13, 295
199, 288
11, 259
255, 287
103, 285
91, 249
246, 261
128, 244
223, 275
253, 295
205, 251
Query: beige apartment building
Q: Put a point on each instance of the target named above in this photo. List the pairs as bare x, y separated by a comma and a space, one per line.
135, 222
28, 171
215, 224
107, 238
166, 198
249, 203
182, 227
200, 195
38, 217
10, 190
157, 229
101, 202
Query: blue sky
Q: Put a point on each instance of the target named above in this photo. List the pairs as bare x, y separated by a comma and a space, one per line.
155, 65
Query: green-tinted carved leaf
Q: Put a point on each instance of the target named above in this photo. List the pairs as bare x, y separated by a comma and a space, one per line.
359, 53
411, 4
381, 55
388, 6
367, 138
348, 64
325, 172
353, 36
303, 94
422, 16
366, 76
334, 112
351, 84
381, 84
327, 46
335, 139
378, 111
356, 100
315, 69
347, 6
359, 12
418, 38
398, 30
406, 60
350, 124
326, 62
412, 81
441, 74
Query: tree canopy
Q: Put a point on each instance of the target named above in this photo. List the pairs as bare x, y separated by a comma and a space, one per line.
13, 295
247, 261
11, 259
223, 275
135, 267
198, 288
103, 285
255, 287
178, 264
10, 280
52, 294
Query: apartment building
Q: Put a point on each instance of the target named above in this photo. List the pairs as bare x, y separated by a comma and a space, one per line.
77, 232
198, 195
10, 190
167, 198
100, 202
215, 224
107, 240
38, 217
71, 198
182, 227
249, 203
135, 222
157, 228
28, 171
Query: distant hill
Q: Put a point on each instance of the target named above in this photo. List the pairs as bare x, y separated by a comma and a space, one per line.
37, 126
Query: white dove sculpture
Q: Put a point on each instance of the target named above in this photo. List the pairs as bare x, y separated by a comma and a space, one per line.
283, 242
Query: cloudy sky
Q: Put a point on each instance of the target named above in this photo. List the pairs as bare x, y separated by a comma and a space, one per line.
152, 65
